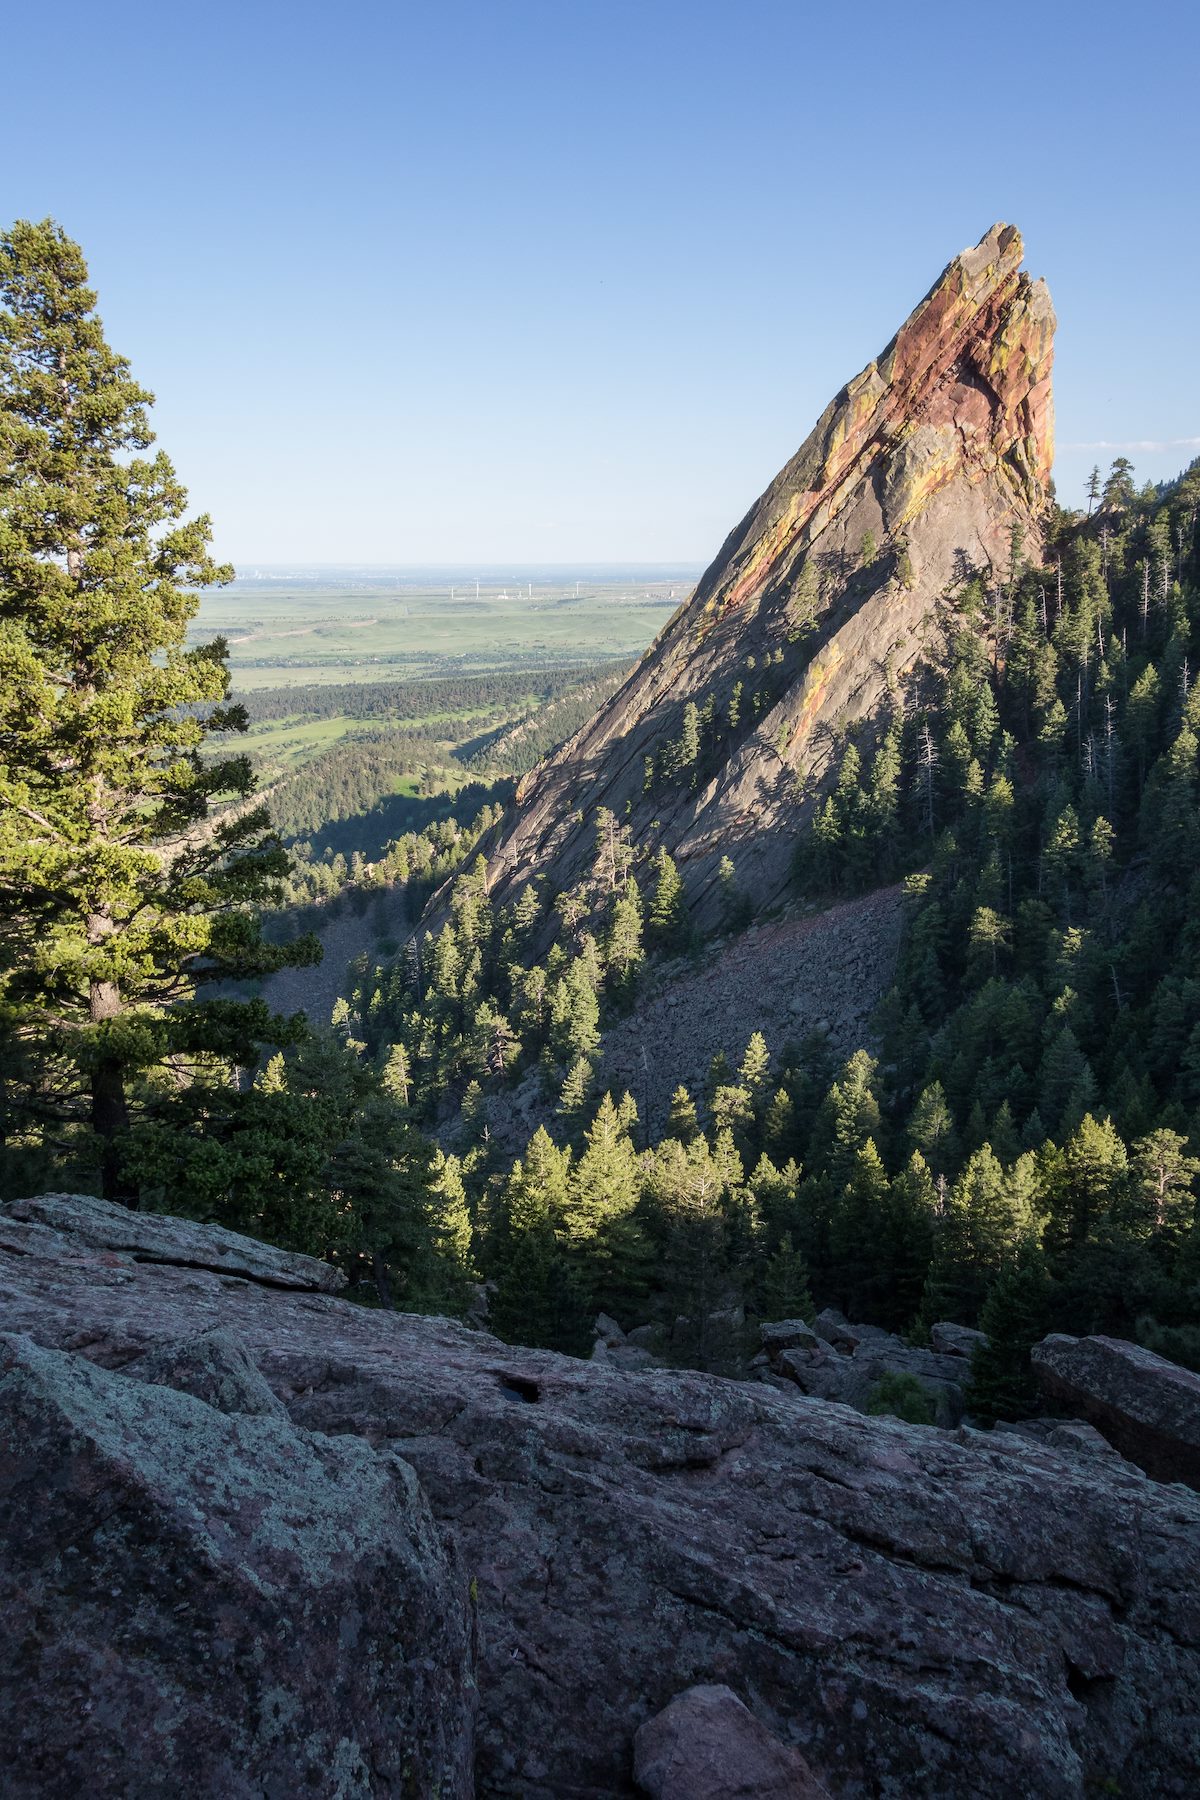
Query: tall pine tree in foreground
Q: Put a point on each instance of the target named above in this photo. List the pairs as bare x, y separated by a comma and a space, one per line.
119, 894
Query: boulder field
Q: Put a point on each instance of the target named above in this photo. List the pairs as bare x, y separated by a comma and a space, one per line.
260, 1539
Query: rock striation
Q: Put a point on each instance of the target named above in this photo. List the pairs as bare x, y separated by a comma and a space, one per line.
825, 596
911, 1610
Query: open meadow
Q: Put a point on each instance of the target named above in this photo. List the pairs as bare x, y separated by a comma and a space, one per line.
372, 691
344, 625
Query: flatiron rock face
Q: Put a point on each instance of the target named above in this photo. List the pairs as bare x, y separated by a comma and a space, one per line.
825, 595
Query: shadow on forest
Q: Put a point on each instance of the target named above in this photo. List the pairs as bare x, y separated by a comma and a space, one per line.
372, 830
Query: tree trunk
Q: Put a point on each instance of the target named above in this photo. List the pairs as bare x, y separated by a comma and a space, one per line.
110, 1110
379, 1272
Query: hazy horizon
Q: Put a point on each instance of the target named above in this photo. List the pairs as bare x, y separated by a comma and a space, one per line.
470, 284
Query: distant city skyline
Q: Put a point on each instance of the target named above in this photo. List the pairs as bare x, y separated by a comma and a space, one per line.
533, 284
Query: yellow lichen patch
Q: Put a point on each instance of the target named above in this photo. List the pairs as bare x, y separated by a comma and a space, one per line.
923, 484
767, 551
816, 684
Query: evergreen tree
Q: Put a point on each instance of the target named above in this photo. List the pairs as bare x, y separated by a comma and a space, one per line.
755, 1067
682, 1122
785, 1290
606, 1247
576, 1090
535, 1300
667, 922
118, 896
1014, 1317
858, 1235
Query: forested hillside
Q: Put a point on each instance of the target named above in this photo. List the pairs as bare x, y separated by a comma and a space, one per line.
1016, 1144
1023, 1143
408, 752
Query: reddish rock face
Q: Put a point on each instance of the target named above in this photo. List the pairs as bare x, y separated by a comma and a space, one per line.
914, 478
706, 1745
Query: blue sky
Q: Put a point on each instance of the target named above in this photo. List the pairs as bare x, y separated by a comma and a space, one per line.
547, 282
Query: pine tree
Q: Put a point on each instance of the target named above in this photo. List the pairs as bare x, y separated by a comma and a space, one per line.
736, 908
623, 944
682, 1122
534, 1300
785, 1290
755, 1067
858, 1235
1162, 1200
1013, 1317
667, 922
396, 1075
576, 1090
702, 1271
931, 1129
607, 1250
118, 896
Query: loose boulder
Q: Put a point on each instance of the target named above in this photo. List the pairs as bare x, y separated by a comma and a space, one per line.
202, 1603
1147, 1407
786, 1334
949, 1339
212, 1366
707, 1745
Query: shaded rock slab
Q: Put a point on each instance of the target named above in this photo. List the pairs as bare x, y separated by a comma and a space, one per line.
707, 1745
915, 1612
949, 1339
156, 1237
1147, 1407
203, 1604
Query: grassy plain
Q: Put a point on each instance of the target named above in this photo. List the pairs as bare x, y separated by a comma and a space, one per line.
341, 778
331, 626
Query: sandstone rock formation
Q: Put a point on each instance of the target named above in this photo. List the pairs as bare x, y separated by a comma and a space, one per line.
826, 593
1148, 1408
914, 1611
201, 1602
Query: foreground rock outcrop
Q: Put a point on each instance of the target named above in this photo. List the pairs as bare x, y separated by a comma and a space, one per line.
822, 600
1147, 1407
197, 1601
913, 1611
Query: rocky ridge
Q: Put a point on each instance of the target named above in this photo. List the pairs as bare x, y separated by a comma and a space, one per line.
907, 1610
825, 597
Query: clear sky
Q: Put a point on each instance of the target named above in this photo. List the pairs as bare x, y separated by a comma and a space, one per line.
571, 280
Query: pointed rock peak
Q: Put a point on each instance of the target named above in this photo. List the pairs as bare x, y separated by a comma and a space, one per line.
962, 389
922, 472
